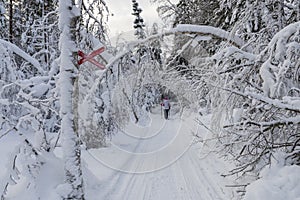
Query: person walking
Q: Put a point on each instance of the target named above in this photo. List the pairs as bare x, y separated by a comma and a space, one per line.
166, 107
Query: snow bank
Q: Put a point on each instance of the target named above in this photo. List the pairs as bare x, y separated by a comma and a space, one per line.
276, 183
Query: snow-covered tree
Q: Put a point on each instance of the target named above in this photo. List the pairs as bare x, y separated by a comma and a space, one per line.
155, 46
268, 114
39, 33
3, 20
97, 120
27, 109
239, 81
138, 22
40, 103
68, 20
242, 88
93, 16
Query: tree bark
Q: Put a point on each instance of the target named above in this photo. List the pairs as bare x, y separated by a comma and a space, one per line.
73, 187
11, 21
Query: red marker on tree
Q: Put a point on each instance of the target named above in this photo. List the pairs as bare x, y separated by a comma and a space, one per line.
90, 57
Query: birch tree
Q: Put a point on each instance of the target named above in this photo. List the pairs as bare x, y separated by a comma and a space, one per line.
68, 20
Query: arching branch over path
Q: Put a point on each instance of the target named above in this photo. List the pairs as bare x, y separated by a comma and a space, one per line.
200, 30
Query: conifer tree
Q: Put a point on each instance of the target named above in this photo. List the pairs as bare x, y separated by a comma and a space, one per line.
138, 22
183, 12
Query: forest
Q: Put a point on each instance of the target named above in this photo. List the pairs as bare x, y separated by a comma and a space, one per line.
237, 61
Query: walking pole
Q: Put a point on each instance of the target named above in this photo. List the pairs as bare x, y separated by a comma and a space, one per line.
160, 111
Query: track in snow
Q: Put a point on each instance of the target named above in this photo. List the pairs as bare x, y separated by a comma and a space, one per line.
159, 162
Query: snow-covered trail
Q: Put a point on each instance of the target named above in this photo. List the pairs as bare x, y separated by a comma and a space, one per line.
159, 162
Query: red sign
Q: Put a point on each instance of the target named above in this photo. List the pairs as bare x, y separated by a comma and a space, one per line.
90, 57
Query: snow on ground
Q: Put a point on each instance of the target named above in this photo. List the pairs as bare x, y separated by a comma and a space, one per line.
158, 162
7, 147
161, 161
277, 182
50, 174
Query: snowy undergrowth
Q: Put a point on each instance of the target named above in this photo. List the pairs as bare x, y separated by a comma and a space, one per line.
48, 180
277, 182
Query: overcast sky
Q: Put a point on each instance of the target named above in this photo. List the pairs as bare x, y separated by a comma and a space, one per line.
122, 20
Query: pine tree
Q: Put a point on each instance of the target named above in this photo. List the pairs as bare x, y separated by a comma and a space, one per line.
155, 45
138, 22
184, 12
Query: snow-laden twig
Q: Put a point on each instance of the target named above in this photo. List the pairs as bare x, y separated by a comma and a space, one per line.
234, 52
282, 59
274, 102
183, 29
90, 14
284, 121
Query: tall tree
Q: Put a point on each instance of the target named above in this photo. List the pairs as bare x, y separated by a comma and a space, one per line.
68, 21
3, 20
138, 22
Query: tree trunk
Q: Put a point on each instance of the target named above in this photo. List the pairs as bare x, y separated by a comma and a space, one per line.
11, 21
73, 187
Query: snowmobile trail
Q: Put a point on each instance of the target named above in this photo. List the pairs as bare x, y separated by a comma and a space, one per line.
159, 162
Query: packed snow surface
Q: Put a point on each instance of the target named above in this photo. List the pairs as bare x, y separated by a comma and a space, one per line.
160, 162
163, 161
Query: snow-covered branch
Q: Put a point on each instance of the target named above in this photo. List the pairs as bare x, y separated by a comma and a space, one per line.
90, 14
198, 30
23, 54
209, 30
279, 70
274, 102
186, 29
283, 121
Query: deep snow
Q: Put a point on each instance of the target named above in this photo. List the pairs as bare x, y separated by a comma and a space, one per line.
160, 162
